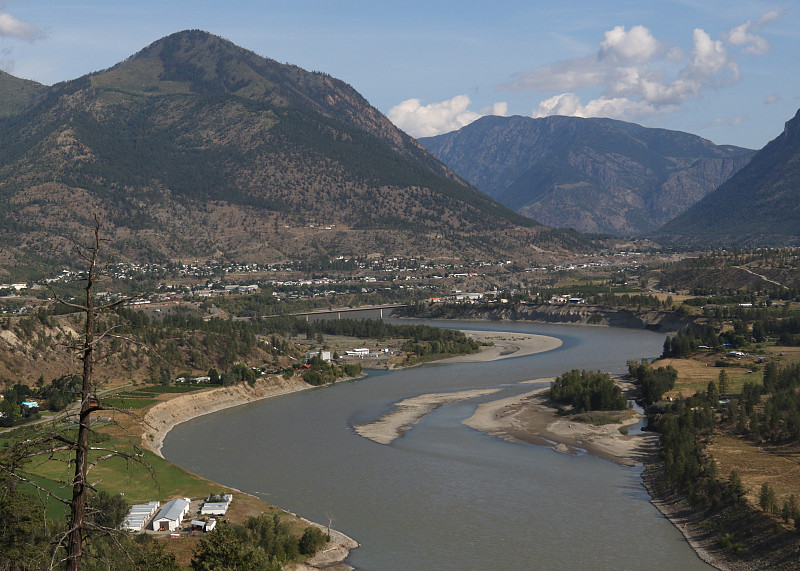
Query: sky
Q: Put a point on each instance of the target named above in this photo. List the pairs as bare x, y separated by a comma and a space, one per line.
726, 70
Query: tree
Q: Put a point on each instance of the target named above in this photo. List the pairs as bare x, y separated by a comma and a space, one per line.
712, 394
767, 499
79, 526
735, 484
221, 550
313, 539
722, 383
22, 524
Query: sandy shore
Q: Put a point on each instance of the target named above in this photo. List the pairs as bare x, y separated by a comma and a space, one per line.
529, 418
409, 412
506, 344
164, 416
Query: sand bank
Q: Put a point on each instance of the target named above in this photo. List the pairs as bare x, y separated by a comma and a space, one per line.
164, 416
409, 412
530, 418
506, 344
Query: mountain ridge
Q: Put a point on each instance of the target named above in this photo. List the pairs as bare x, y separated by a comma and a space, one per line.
594, 175
196, 148
759, 206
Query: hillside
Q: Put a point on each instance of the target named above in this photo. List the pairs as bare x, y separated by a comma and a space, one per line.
594, 175
17, 94
195, 148
759, 206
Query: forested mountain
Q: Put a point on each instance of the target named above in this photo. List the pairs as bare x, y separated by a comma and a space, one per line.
16, 94
594, 175
759, 206
196, 148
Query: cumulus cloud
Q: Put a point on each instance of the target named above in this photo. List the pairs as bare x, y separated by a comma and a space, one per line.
614, 107
745, 34
13, 28
638, 75
436, 118
635, 46
630, 75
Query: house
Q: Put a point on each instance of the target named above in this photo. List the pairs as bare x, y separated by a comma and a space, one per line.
169, 518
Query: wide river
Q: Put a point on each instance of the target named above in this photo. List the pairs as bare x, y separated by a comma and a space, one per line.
444, 497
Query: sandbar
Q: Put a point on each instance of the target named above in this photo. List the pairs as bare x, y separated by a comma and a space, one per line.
530, 418
506, 344
409, 412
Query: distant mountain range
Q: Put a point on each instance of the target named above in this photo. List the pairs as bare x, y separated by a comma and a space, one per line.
593, 175
759, 206
195, 148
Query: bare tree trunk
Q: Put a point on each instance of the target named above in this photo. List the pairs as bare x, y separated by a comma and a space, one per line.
79, 482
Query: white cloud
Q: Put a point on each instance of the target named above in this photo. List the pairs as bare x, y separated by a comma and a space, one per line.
774, 98
13, 28
436, 118
744, 35
614, 107
638, 75
636, 46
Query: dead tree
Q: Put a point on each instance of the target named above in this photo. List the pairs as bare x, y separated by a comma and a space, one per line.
89, 403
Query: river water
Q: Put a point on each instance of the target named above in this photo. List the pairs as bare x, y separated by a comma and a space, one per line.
444, 497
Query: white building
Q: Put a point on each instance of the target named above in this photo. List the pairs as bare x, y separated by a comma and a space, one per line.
139, 515
169, 518
217, 508
324, 355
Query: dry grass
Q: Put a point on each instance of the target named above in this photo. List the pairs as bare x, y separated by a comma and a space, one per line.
779, 466
757, 464
695, 373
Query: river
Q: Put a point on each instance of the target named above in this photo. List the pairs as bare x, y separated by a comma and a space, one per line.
444, 497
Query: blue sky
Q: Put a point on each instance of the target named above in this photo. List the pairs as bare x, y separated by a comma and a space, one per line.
725, 70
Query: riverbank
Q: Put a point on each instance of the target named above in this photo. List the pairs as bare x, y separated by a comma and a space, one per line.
530, 418
567, 313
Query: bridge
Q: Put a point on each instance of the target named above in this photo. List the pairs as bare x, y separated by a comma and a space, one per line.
338, 311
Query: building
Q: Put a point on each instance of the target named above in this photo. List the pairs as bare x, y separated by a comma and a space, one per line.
169, 518
217, 508
138, 516
324, 355
361, 352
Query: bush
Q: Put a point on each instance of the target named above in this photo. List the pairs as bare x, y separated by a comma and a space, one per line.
313, 539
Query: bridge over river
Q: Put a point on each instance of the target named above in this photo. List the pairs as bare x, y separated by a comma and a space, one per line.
360, 312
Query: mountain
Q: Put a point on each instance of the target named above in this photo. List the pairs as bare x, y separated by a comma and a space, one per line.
759, 206
16, 94
593, 175
195, 148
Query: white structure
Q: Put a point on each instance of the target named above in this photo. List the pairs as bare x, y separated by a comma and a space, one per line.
169, 518
324, 355
139, 515
217, 508
204, 525
468, 296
